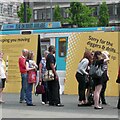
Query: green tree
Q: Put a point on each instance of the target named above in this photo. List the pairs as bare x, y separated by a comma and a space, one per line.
81, 15
103, 15
57, 14
20, 13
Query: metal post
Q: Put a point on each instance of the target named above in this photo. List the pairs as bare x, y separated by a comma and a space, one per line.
51, 12
25, 12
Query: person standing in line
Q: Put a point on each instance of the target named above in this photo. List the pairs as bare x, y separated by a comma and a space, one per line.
118, 81
3, 75
81, 76
53, 86
98, 61
30, 66
23, 71
105, 77
42, 69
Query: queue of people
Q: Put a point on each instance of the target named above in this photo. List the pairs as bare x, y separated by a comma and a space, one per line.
51, 96
28, 68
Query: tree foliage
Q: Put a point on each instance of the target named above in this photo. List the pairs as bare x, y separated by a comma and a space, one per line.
103, 15
81, 15
20, 13
57, 14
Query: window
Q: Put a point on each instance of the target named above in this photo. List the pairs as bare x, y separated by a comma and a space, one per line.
1, 8
44, 16
62, 47
95, 13
118, 9
10, 10
35, 15
115, 9
64, 13
48, 15
40, 16
45, 43
111, 9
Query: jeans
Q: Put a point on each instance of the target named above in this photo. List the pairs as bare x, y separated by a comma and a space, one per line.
24, 87
29, 93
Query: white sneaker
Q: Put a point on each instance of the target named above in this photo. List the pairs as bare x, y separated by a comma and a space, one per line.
43, 103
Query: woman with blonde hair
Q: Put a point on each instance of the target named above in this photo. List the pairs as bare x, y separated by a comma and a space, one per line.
42, 70
30, 66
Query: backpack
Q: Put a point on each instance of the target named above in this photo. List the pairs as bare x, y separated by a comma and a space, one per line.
96, 71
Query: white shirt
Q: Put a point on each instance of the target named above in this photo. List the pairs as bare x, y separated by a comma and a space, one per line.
82, 66
32, 64
2, 69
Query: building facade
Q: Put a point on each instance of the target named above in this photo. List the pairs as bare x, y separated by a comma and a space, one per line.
8, 11
43, 11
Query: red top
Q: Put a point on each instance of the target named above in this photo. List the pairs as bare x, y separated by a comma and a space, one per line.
119, 72
22, 64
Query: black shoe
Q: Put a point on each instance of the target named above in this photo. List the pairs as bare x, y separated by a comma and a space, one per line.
31, 105
104, 103
79, 105
98, 108
51, 104
118, 107
59, 105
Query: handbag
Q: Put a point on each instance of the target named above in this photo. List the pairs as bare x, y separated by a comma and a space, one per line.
32, 76
48, 76
39, 89
96, 71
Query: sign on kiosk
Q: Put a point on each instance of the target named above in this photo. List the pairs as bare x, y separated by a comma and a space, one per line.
12, 46
78, 43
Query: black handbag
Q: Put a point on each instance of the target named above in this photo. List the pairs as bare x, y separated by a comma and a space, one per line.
96, 71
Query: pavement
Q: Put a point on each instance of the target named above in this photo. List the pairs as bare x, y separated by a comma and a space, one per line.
13, 109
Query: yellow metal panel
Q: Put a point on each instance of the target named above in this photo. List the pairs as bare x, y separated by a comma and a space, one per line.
12, 46
78, 43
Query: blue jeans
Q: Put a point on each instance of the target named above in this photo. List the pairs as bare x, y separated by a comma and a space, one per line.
24, 87
29, 93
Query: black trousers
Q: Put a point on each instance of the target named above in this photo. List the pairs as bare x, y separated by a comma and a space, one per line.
81, 86
54, 94
45, 96
118, 104
102, 94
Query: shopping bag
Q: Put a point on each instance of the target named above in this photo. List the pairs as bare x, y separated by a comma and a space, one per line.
32, 76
